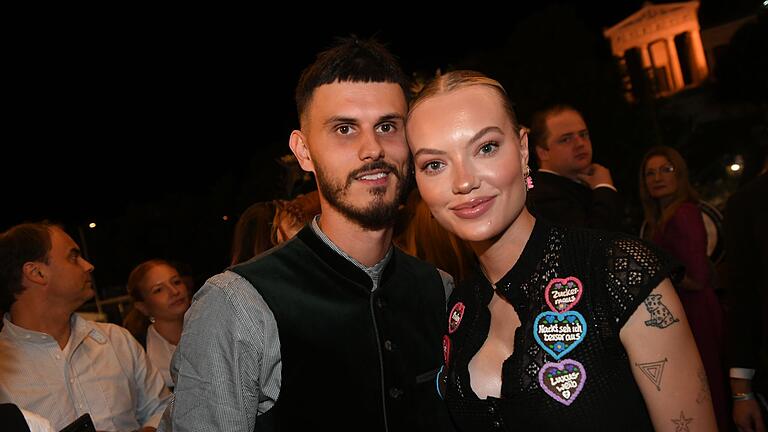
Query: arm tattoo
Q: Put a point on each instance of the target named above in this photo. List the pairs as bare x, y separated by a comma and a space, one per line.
704, 394
653, 371
681, 424
661, 317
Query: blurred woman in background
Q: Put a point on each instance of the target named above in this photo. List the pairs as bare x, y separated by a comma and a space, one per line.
674, 222
267, 224
424, 238
160, 299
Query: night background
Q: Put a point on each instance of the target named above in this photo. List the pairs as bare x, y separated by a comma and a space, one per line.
157, 128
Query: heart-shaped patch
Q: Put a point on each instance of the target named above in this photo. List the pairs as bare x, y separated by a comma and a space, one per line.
562, 294
563, 381
559, 333
454, 318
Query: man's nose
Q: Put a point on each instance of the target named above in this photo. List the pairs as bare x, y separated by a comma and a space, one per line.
370, 147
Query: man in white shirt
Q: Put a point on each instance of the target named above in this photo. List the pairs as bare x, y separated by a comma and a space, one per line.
52, 361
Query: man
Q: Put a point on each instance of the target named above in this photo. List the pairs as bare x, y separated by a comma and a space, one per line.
747, 251
335, 329
52, 361
568, 188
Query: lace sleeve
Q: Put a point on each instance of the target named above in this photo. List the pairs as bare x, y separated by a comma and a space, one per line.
633, 268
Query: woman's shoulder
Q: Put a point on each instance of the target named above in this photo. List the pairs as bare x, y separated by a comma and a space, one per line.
687, 209
686, 216
615, 251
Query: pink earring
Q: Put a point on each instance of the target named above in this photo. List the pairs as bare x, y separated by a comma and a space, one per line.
528, 179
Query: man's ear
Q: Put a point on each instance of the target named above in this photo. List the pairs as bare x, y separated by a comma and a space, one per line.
298, 145
542, 153
34, 273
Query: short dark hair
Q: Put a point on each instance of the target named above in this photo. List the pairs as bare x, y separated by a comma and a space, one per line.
539, 133
350, 60
19, 245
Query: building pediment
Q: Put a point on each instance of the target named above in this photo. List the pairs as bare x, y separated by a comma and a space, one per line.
654, 18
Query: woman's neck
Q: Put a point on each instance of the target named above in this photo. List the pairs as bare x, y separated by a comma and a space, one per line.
170, 330
665, 202
500, 254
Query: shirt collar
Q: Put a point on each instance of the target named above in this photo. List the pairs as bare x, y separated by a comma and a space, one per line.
80, 329
544, 170
376, 268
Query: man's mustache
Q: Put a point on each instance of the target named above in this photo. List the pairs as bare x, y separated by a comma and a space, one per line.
377, 165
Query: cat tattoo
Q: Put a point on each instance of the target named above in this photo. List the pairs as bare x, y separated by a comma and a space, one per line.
661, 317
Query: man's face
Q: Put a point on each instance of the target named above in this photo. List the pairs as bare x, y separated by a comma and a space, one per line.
569, 150
355, 138
69, 274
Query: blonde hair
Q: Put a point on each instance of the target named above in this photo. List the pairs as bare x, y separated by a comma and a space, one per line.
455, 80
655, 216
135, 321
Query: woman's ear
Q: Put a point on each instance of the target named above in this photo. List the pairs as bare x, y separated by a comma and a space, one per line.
298, 145
141, 307
523, 147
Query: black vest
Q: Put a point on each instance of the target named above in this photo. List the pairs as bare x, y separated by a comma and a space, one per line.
352, 359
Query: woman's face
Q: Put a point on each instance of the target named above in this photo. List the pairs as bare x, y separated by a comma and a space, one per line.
660, 177
165, 294
469, 161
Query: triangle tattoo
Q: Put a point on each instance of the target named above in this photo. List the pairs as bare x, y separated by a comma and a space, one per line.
653, 371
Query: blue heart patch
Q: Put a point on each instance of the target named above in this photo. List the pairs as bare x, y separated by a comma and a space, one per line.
559, 333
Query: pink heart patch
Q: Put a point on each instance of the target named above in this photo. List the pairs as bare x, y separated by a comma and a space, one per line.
563, 294
454, 318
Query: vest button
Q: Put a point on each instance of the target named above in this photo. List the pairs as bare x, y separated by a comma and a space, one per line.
380, 302
395, 392
491, 409
496, 424
388, 345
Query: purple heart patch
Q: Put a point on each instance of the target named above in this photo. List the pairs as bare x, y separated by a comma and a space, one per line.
563, 381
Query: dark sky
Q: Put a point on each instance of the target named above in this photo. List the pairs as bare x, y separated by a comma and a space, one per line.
106, 114
143, 111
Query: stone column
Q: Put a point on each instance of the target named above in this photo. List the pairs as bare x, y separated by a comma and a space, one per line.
646, 58
698, 59
674, 65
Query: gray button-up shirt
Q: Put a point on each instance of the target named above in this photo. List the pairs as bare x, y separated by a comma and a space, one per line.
221, 385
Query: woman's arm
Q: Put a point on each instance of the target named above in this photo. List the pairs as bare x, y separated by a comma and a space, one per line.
666, 364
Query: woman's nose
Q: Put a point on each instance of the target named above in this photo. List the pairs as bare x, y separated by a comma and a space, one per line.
464, 180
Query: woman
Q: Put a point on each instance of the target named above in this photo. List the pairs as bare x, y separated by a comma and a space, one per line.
675, 223
561, 328
160, 299
267, 224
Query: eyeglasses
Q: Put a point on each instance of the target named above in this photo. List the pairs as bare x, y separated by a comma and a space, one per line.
666, 169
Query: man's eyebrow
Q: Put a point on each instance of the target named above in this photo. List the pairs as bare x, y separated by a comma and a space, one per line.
340, 119
390, 117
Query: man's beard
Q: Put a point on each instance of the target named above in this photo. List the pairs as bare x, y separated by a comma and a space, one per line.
378, 214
